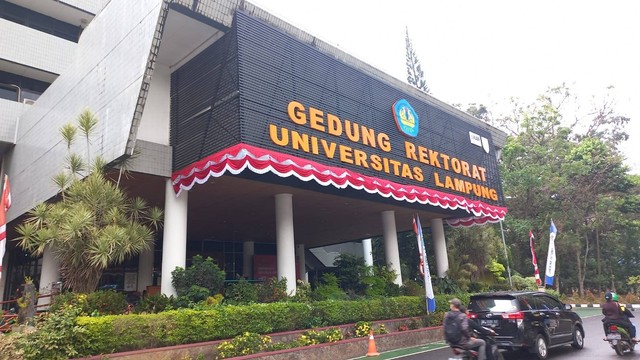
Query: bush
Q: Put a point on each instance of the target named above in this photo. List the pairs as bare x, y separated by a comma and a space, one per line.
107, 302
329, 289
381, 283
242, 292
351, 270
155, 303
272, 290
411, 288
103, 302
57, 337
9, 346
313, 337
203, 273
245, 344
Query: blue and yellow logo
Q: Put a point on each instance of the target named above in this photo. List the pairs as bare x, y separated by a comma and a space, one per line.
406, 118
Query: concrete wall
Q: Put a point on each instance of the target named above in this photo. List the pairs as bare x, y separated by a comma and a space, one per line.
105, 76
30, 47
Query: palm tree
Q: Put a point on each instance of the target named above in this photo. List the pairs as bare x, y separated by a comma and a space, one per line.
93, 225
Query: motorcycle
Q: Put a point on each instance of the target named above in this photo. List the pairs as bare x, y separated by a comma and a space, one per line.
619, 339
462, 353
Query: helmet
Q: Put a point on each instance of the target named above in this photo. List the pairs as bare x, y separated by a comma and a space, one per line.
608, 296
614, 296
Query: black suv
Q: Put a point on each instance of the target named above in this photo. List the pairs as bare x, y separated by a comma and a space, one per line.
530, 321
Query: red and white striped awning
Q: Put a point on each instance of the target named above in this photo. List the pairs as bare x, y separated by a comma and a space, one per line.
242, 157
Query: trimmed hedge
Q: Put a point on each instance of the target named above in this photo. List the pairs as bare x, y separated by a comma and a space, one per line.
117, 333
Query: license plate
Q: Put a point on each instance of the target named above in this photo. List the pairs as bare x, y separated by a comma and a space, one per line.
614, 337
485, 322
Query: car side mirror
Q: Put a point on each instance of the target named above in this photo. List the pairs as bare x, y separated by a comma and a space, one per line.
568, 307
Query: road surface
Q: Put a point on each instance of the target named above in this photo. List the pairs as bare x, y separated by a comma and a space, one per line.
594, 347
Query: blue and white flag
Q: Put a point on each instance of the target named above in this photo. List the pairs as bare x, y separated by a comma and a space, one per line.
551, 256
424, 266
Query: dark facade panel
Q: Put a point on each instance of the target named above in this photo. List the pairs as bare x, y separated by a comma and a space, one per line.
276, 69
205, 103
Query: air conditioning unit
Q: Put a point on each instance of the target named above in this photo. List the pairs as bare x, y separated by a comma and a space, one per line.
28, 101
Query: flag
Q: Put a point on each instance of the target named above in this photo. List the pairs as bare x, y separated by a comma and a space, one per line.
551, 256
424, 266
536, 272
5, 204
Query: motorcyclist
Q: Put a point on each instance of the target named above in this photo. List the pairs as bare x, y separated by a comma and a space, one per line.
467, 340
483, 331
614, 314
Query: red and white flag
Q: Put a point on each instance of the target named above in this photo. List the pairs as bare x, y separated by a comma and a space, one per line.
534, 260
5, 204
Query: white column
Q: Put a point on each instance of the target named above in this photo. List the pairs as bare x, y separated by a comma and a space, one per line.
302, 263
390, 235
174, 246
248, 250
285, 241
440, 247
367, 250
49, 275
145, 268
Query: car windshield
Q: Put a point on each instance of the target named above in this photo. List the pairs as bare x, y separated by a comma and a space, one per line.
493, 305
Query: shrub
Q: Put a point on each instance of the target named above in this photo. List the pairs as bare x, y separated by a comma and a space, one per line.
57, 337
313, 337
116, 333
155, 303
103, 302
303, 292
245, 344
107, 302
242, 292
362, 328
411, 288
9, 346
329, 289
203, 273
381, 283
351, 270
272, 290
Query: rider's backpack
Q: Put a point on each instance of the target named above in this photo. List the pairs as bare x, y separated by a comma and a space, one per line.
453, 329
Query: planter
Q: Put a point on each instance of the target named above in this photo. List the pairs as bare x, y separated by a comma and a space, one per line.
341, 350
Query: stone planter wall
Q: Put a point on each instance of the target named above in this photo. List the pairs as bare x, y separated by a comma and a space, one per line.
342, 350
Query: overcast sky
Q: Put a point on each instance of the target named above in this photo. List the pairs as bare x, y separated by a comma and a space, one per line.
487, 51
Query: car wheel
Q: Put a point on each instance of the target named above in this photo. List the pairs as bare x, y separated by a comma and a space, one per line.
578, 338
541, 349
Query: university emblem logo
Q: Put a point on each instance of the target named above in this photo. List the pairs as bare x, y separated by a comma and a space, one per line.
406, 118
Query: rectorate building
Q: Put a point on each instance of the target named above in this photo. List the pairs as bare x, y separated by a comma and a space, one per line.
268, 149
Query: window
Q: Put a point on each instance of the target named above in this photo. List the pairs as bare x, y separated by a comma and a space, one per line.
8, 92
39, 21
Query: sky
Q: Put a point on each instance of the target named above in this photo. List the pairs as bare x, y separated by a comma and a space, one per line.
489, 51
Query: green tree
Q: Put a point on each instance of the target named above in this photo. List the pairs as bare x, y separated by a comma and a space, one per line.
573, 173
94, 224
415, 75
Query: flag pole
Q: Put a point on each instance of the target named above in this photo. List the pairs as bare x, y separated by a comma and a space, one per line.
506, 256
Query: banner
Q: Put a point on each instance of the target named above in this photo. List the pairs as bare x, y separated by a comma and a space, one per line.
551, 256
5, 204
424, 266
536, 272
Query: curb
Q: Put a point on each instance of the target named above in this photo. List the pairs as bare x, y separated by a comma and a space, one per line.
633, 306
